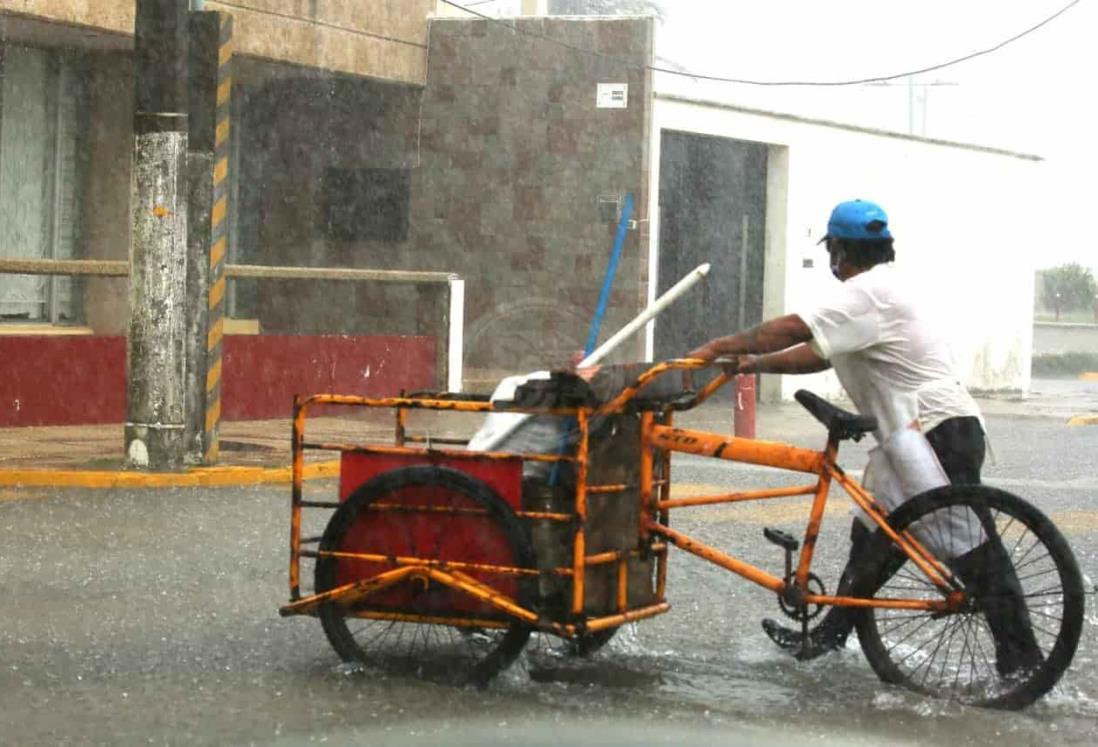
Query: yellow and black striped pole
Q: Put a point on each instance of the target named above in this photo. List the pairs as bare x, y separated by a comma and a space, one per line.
210, 82
219, 239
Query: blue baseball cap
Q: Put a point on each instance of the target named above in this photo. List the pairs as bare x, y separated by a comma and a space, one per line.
857, 219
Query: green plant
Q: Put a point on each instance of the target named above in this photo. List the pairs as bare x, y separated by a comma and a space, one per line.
1067, 287
605, 8
1064, 364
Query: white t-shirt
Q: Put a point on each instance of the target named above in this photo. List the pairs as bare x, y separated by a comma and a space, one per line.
890, 356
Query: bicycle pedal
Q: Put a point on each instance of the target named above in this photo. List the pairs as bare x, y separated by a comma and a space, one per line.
782, 539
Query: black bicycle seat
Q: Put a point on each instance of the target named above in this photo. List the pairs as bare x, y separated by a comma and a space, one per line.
840, 423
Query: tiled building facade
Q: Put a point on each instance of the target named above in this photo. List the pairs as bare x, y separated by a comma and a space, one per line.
366, 134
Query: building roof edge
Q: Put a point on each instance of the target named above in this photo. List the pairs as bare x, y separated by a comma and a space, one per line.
678, 98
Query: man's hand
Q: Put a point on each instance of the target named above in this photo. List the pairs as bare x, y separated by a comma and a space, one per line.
738, 364
706, 352
774, 335
744, 364
800, 359
588, 372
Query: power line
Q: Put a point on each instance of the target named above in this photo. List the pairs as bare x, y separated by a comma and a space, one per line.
749, 82
318, 22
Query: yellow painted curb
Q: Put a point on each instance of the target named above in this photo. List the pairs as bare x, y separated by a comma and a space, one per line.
1089, 376
1083, 420
206, 477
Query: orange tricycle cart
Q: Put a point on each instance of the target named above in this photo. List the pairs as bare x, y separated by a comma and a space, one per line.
441, 561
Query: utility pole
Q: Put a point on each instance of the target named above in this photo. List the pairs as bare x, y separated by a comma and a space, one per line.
911, 85
156, 360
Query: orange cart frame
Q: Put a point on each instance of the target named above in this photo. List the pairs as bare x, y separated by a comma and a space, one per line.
659, 440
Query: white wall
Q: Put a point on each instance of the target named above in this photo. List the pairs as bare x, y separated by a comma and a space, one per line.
966, 220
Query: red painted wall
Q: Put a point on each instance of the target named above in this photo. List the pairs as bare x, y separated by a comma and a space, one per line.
81, 380
62, 380
262, 373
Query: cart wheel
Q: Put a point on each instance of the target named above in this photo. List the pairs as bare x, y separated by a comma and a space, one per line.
588, 645
422, 627
1024, 577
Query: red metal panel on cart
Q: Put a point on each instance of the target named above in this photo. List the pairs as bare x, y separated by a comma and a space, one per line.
435, 535
502, 475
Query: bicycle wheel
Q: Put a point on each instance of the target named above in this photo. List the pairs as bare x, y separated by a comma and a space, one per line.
1022, 577
434, 513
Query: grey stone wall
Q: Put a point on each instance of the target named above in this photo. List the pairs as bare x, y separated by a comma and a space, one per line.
295, 128
509, 160
514, 159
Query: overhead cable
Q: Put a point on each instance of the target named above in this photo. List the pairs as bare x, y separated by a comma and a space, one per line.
749, 82
320, 22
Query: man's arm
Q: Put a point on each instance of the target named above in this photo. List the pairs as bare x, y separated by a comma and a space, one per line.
801, 359
776, 334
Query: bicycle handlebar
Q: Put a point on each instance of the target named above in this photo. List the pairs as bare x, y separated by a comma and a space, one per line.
658, 369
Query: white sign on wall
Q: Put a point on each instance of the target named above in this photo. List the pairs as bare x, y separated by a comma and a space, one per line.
612, 95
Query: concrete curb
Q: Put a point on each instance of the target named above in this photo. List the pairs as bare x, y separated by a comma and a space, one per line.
208, 477
1083, 420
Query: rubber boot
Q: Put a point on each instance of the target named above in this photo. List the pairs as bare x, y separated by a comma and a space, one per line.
990, 580
830, 634
833, 630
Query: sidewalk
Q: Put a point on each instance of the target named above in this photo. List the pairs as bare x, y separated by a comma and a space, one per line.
259, 451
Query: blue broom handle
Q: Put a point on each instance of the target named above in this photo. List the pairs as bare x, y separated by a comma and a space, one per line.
611, 270
600, 313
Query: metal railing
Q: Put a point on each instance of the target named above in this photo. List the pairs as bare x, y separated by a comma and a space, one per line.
448, 356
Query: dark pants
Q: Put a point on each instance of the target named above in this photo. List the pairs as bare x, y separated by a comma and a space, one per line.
960, 446
986, 571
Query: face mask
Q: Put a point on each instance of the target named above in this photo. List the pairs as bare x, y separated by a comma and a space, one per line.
836, 259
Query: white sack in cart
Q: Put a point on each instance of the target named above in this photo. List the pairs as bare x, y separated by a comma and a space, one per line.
496, 430
518, 432
901, 468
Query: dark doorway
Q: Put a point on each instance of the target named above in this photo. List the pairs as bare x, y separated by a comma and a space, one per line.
712, 209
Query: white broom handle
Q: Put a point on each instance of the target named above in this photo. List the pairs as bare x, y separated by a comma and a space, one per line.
646, 316
608, 347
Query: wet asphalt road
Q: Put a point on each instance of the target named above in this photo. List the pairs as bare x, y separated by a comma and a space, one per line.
150, 617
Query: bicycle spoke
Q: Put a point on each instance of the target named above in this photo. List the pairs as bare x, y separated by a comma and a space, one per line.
929, 662
1057, 592
400, 637
961, 658
1019, 566
968, 530
1018, 541
897, 587
922, 646
1038, 627
921, 581
1002, 532
971, 657
1045, 615
983, 654
384, 631
1038, 575
909, 634
901, 620
423, 631
442, 533
906, 615
1036, 543
949, 648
